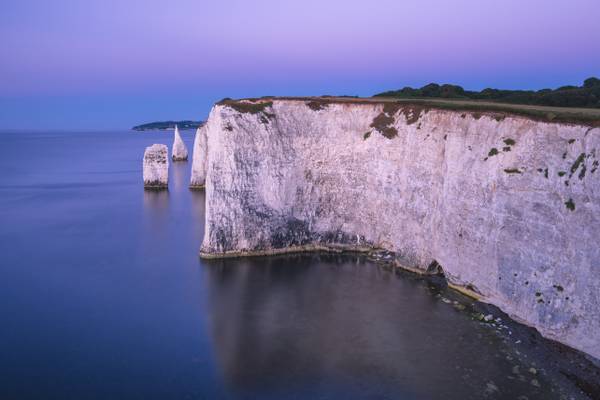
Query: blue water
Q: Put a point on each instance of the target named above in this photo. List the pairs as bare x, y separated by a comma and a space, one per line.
102, 296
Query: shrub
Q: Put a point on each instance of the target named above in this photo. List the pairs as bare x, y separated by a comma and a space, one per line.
246, 107
570, 205
316, 105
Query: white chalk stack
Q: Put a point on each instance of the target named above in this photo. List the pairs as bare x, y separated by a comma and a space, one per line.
156, 167
198, 175
180, 152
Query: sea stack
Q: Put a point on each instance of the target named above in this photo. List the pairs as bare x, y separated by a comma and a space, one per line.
198, 176
180, 152
156, 167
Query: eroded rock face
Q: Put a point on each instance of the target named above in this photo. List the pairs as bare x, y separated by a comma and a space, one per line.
199, 163
180, 152
156, 167
509, 207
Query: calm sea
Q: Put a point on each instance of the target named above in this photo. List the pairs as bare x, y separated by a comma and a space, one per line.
103, 296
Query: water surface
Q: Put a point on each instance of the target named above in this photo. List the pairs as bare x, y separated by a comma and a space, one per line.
104, 297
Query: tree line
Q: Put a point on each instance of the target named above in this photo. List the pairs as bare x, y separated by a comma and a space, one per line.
587, 95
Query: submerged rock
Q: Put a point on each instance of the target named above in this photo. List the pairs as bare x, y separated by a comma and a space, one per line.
180, 152
156, 167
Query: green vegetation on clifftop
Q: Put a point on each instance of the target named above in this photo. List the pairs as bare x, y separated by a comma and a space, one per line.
587, 95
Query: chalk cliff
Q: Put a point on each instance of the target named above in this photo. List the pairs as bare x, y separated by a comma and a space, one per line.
508, 206
156, 167
180, 152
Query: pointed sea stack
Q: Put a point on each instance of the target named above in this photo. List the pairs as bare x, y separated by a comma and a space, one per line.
156, 167
180, 152
198, 177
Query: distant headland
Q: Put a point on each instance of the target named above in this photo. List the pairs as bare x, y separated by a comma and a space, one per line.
165, 125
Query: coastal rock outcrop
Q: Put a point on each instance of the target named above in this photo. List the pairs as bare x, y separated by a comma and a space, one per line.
199, 164
180, 152
156, 167
506, 206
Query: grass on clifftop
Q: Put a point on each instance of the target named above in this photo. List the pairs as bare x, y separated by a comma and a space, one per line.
251, 106
568, 115
246, 106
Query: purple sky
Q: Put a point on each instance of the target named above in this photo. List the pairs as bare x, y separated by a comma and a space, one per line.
100, 64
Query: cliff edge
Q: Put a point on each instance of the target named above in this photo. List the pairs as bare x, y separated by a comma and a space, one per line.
508, 205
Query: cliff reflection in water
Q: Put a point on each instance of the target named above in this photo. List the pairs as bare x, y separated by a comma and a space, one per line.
317, 321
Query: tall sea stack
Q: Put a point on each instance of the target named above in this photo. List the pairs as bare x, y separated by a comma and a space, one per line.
180, 152
198, 177
156, 167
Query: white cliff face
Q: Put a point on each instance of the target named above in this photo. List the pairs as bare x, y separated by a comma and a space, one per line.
508, 206
156, 167
199, 161
180, 152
